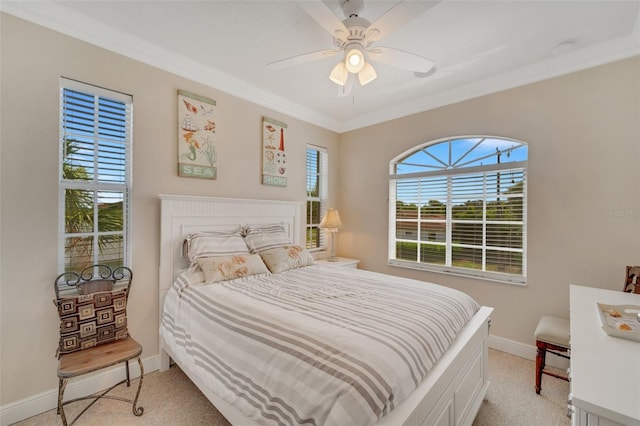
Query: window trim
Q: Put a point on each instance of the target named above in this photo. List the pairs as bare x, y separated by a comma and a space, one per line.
125, 188
474, 170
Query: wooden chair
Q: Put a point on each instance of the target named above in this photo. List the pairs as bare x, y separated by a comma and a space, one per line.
93, 336
552, 335
632, 280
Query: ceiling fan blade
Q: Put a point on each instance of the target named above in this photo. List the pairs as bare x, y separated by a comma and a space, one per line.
400, 14
400, 59
325, 17
302, 59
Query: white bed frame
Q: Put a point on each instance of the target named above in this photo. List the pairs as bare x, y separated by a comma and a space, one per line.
450, 395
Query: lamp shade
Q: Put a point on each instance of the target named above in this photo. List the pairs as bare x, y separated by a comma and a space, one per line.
339, 74
367, 74
331, 220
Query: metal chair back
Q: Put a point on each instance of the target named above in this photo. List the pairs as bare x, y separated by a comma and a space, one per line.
92, 279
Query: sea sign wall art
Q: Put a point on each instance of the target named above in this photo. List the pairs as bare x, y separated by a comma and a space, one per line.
274, 158
196, 136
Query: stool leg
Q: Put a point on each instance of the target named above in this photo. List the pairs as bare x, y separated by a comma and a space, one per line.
540, 361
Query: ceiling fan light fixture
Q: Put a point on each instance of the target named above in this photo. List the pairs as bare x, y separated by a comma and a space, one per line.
367, 74
355, 59
339, 74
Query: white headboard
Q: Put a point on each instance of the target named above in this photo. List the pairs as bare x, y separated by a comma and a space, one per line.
181, 215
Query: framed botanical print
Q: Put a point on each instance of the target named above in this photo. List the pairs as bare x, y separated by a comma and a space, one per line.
196, 136
274, 157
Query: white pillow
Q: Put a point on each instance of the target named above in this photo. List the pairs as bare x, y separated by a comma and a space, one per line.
208, 244
256, 229
282, 259
223, 268
260, 241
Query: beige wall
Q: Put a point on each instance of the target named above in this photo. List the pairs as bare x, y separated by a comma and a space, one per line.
583, 132
32, 61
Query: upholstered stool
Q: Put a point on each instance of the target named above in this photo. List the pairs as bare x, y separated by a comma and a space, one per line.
552, 335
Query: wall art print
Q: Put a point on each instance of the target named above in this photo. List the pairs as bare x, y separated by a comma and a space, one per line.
274, 157
196, 136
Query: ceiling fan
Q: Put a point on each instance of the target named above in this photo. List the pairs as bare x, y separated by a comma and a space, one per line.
355, 37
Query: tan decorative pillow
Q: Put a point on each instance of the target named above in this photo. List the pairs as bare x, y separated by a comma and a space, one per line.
91, 320
223, 268
282, 259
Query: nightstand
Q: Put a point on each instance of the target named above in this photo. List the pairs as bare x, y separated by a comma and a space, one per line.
343, 262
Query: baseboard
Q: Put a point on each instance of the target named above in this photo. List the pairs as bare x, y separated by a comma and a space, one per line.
48, 400
524, 351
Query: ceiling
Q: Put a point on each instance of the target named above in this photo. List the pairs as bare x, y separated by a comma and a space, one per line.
478, 47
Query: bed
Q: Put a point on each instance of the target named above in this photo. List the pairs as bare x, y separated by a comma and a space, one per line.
442, 380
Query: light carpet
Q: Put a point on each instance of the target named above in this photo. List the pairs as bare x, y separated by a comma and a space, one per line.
170, 398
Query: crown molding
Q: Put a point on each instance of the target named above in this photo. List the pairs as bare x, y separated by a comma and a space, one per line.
58, 18
580, 59
63, 20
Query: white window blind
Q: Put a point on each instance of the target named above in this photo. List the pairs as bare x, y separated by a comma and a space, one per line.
461, 207
95, 151
317, 194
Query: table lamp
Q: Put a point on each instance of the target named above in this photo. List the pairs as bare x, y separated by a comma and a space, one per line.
331, 223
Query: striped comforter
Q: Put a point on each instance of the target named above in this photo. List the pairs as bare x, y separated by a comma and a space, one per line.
315, 345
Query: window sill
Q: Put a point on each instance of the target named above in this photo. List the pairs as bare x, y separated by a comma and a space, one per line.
486, 276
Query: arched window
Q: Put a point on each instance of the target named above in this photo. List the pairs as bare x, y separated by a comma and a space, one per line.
458, 205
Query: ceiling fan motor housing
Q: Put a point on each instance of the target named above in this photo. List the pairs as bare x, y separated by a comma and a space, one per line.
357, 32
357, 27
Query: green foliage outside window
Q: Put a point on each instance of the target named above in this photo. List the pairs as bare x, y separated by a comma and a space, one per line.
467, 230
79, 219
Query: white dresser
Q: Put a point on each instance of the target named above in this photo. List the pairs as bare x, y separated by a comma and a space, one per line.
605, 370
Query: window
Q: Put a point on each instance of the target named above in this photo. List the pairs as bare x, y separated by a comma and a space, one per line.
95, 174
317, 183
459, 206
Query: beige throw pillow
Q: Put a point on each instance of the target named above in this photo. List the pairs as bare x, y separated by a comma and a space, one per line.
282, 259
223, 268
